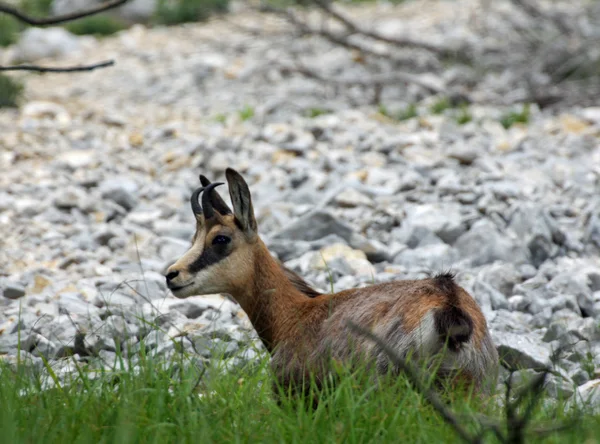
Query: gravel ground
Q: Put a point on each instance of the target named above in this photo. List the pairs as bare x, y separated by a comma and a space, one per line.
96, 170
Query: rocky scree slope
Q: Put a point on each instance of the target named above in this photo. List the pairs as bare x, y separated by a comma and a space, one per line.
96, 173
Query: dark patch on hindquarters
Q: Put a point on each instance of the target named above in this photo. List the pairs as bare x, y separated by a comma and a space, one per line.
444, 281
453, 325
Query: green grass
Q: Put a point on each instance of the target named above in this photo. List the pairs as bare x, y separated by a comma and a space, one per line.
464, 116
513, 117
98, 25
10, 92
175, 402
406, 113
441, 105
9, 30
173, 12
246, 113
316, 112
37, 8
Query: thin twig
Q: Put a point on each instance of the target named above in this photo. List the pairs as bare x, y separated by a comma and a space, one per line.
404, 41
44, 69
536, 12
374, 80
23, 17
413, 375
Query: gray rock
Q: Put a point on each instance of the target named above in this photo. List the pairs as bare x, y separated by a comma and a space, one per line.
10, 343
12, 290
193, 308
497, 299
432, 257
415, 236
287, 250
521, 351
150, 286
314, 226
444, 220
170, 249
120, 191
137, 11
484, 244
518, 303
588, 395
501, 276
570, 283
37, 43
538, 230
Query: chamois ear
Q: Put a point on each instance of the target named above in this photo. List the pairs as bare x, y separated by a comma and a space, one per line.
216, 200
242, 202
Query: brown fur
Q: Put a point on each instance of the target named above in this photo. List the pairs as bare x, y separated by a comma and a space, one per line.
305, 330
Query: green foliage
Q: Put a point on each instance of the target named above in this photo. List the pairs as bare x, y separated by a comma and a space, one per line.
172, 401
10, 91
316, 112
99, 25
408, 113
588, 364
383, 110
464, 116
246, 113
221, 118
9, 28
513, 117
37, 8
441, 105
172, 12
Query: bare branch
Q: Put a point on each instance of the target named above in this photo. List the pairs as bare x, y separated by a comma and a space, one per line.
516, 425
23, 17
335, 38
404, 41
536, 12
370, 81
44, 69
413, 375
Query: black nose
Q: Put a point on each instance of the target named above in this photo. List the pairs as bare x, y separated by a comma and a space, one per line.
172, 275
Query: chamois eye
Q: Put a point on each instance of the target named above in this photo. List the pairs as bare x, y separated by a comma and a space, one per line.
221, 240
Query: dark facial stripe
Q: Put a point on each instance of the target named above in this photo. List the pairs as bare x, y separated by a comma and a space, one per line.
209, 256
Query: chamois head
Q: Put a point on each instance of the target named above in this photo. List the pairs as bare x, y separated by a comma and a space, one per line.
221, 258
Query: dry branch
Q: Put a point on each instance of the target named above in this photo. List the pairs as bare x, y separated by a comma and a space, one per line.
404, 41
44, 69
34, 21
416, 379
515, 427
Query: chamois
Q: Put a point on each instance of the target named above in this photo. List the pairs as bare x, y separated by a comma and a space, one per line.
304, 329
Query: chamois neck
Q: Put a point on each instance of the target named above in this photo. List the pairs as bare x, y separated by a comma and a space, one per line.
269, 298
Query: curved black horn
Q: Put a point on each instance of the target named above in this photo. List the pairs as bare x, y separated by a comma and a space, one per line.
196, 208
215, 198
207, 200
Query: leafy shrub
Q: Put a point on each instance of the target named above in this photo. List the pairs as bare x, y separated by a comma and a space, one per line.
37, 8
513, 117
408, 113
316, 112
98, 25
246, 113
172, 12
9, 29
10, 92
441, 105
464, 116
